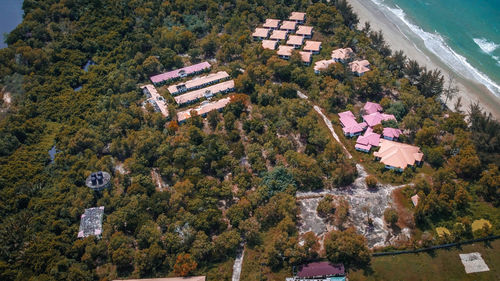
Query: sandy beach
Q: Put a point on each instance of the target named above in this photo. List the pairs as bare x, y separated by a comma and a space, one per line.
470, 91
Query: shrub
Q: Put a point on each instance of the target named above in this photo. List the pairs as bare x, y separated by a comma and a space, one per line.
391, 216
371, 181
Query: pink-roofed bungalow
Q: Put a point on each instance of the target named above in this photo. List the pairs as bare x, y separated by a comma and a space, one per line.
306, 31
306, 57
261, 33
340, 55
397, 156
312, 46
269, 44
289, 26
322, 65
391, 133
367, 141
272, 24
371, 107
285, 52
377, 118
298, 17
359, 67
279, 35
350, 126
295, 41
179, 73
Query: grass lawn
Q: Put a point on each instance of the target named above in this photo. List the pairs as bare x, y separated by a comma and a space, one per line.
437, 265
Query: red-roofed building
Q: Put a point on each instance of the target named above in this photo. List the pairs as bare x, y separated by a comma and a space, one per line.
298, 17
269, 44
359, 67
180, 73
261, 33
322, 65
367, 141
272, 24
350, 126
312, 46
306, 31
295, 41
288, 26
377, 118
285, 52
391, 133
371, 107
340, 55
397, 156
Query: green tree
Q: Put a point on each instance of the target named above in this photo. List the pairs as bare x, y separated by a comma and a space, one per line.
347, 247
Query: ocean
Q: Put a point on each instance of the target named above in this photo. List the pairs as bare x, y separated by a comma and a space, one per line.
463, 34
11, 14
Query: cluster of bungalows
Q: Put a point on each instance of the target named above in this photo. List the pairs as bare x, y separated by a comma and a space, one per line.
203, 109
155, 99
343, 55
320, 271
393, 154
288, 35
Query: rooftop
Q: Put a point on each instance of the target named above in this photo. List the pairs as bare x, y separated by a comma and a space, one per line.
297, 16
91, 222
271, 23
288, 25
368, 139
157, 98
203, 108
304, 30
261, 32
181, 72
306, 56
322, 64
398, 155
359, 66
321, 269
349, 123
371, 107
278, 34
210, 90
392, 133
313, 46
285, 50
342, 53
192, 278
197, 82
295, 40
377, 118
269, 44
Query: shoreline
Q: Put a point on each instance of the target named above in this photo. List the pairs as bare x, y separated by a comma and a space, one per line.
470, 91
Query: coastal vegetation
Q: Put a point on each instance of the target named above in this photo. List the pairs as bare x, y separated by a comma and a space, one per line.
230, 179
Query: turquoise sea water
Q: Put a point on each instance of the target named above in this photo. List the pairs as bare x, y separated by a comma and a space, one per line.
464, 34
11, 14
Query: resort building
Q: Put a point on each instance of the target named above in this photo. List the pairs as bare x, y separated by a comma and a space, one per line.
261, 33
191, 278
179, 73
359, 67
269, 44
391, 133
342, 54
295, 41
272, 24
155, 99
322, 65
91, 222
371, 107
285, 52
320, 271
398, 156
298, 17
197, 83
306, 57
306, 31
207, 92
279, 35
288, 26
203, 109
350, 126
377, 118
312, 46
369, 139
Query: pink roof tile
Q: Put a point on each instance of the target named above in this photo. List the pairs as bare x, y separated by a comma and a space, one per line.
269, 44
288, 25
349, 123
398, 155
179, 72
359, 67
342, 53
391, 133
304, 30
322, 64
261, 32
295, 40
313, 46
369, 138
198, 94
305, 56
271, 23
284, 50
203, 108
297, 16
377, 118
278, 34
371, 107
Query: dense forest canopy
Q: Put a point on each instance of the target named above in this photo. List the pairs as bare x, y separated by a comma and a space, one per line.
228, 179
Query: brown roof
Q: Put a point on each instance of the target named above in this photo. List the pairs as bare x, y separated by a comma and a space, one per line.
269, 44
359, 66
341, 53
261, 32
297, 16
398, 155
278, 34
313, 46
193, 278
295, 40
304, 30
271, 23
288, 25
306, 56
285, 50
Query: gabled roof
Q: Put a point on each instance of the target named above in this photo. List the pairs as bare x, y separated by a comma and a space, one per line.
297, 16
261, 32
313, 46
320, 269
197, 82
391, 133
349, 123
284, 50
295, 40
377, 118
342, 53
178, 72
203, 108
398, 155
371, 107
288, 25
269, 44
304, 30
305, 56
359, 66
278, 34
369, 138
322, 64
197, 94
271, 23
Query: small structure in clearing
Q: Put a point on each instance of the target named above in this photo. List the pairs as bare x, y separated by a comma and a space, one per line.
91, 222
473, 262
